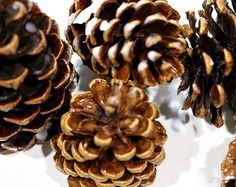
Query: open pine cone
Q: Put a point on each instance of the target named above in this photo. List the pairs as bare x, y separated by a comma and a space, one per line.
228, 167
138, 40
110, 137
209, 71
35, 73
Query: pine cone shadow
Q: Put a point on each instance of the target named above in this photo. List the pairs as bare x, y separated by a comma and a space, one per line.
214, 159
166, 97
53, 173
170, 103
180, 149
46, 149
167, 111
229, 120
86, 75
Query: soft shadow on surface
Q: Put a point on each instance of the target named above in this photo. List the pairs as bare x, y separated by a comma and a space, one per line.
180, 147
180, 150
214, 159
55, 174
229, 120
85, 74
170, 104
46, 149
166, 96
167, 111
37, 152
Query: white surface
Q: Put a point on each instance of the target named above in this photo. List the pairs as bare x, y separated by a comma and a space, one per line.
194, 153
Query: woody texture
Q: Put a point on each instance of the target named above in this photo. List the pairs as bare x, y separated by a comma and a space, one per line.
110, 137
35, 73
210, 69
139, 40
228, 167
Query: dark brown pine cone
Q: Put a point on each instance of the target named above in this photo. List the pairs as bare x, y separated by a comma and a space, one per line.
110, 137
138, 40
228, 167
209, 70
35, 73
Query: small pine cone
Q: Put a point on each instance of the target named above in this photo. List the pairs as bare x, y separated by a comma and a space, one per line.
35, 73
110, 137
138, 40
209, 69
228, 167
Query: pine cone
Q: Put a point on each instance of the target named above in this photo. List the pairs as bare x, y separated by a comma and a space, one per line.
110, 137
138, 40
231, 94
228, 167
209, 69
35, 73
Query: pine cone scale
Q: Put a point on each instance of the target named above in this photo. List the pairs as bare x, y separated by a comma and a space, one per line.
15, 79
10, 48
64, 77
57, 50
19, 142
8, 130
39, 95
26, 115
38, 124
9, 100
124, 181
95, 173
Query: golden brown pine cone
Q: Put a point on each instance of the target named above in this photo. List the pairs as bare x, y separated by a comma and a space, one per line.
35, 73
228, 167
209, 70
110, 137
138, 40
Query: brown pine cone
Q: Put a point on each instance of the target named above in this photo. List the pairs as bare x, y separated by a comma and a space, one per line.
209, 69
138, 40
231, 94
228, 167
110, 137
35, 73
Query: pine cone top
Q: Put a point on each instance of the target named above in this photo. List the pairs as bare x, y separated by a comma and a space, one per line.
129, 40
35, 72
110, 136
209, 70
228, 167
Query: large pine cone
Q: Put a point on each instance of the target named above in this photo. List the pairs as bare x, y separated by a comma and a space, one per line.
110, 137
228, 167
209, 70
138, 40
35, 73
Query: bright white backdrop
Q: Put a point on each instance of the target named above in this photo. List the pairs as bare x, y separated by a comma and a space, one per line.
194, 151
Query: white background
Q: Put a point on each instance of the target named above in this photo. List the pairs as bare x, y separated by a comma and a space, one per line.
194, 152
